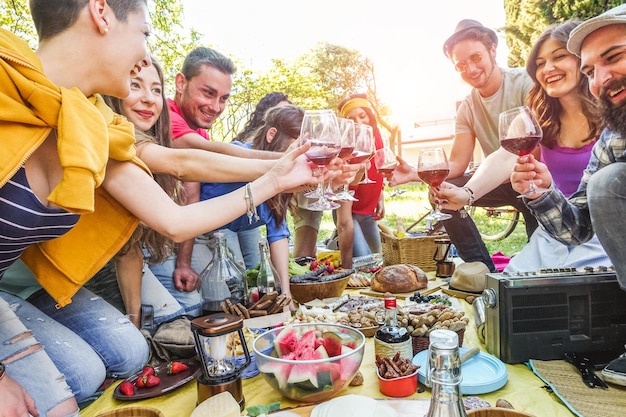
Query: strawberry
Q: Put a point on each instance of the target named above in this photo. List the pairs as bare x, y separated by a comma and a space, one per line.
152, 381
174, 368
148, 370
141, 381
127, 388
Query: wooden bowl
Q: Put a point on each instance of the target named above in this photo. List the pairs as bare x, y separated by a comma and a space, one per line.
303, 293
368, 331
496, 412
133, 412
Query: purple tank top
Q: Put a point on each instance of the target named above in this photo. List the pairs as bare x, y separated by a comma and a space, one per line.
567, 165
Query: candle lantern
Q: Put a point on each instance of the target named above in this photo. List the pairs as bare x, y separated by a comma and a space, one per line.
220, 370
445, 264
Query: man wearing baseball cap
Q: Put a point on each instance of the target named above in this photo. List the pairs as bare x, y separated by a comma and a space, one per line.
472, 51
600, 202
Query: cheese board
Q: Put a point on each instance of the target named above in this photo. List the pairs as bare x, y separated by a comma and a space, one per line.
433, 286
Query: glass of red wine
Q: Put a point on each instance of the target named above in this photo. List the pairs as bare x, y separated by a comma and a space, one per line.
433, 169
385, 161
520, 134
346, 127
364, 148
320, 128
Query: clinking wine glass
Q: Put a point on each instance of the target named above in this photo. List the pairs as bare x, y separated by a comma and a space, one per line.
433, 169
385, 161
363, 148
520, 133
346, 127
320, 128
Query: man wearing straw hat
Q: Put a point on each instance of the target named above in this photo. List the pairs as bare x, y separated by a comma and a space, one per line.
600, 202
472, 51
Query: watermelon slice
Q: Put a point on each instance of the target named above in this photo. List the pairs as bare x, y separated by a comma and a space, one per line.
280, 371
334, 341
285, 342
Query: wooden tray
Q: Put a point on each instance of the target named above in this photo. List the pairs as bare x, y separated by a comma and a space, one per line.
433, 286
404, 408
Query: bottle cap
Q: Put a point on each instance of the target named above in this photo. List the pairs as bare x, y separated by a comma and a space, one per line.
446, 339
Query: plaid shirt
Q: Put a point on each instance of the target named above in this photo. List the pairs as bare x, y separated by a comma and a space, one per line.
568, 220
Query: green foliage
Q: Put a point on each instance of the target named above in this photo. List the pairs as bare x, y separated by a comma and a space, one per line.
15, 17
527, 19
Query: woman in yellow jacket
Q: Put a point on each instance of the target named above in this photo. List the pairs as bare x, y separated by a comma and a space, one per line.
63, 216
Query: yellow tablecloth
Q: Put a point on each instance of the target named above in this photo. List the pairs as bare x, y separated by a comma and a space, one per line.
523, 389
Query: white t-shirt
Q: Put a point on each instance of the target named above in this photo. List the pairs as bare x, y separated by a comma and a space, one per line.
478, 115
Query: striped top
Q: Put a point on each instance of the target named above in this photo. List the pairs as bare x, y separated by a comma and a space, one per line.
24, 220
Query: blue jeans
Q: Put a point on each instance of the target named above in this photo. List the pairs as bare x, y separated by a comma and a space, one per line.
191, 302
366, 235
244, 246
463, 232
606, 192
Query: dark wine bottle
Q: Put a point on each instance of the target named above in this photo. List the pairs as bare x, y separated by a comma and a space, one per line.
391, 338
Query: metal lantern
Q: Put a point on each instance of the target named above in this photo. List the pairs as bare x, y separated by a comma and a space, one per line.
220, 370
443, 257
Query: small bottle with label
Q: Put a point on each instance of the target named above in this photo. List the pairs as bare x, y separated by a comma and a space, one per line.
444, 363
391, 338
268, 279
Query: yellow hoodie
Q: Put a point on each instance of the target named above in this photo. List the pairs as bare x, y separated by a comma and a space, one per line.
89, 133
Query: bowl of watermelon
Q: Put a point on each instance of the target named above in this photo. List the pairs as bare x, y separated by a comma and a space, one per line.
309, 362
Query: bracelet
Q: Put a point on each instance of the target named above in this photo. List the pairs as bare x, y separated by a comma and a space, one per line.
470, 192
2, 370
251, 212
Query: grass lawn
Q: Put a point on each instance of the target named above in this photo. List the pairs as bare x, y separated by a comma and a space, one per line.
412, 205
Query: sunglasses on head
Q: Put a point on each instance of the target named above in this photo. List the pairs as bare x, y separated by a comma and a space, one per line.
475, 58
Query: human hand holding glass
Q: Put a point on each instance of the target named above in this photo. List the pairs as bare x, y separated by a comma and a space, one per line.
320, 128
433, 169
520, 133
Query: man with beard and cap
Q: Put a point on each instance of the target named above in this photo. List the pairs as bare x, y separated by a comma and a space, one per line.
600, 202
472, 51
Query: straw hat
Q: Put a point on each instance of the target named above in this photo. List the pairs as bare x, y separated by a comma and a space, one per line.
461, 29
468, 279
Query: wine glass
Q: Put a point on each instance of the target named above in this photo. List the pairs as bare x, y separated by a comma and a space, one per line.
320, 128
520, 133
363, 147
432, 168
385, 161
346, 127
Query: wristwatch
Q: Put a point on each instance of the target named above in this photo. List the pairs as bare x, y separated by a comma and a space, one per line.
2, 367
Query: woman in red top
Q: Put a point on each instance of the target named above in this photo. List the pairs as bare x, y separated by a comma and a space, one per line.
370, 206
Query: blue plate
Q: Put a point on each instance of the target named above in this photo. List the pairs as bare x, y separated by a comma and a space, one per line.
481, 373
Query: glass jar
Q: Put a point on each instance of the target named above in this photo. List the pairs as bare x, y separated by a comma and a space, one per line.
222, 279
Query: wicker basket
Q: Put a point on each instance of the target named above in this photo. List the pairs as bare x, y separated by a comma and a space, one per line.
135, 411
421, 342
418, 250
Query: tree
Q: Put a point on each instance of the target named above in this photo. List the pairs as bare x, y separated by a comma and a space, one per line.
527, 19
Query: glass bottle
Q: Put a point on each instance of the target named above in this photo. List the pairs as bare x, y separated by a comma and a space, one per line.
391, 338
445, 376
222, 279
268, 279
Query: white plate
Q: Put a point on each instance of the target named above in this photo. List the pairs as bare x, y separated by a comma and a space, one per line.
481, 373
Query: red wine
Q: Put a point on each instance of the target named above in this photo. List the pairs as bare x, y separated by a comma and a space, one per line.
359, 157
433, 177
386, 170
520, 146
321, 153
346, 151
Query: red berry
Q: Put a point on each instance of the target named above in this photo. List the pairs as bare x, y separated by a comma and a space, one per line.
152, 381
141, 381
148, 370
313, 266
174, 368
127, 388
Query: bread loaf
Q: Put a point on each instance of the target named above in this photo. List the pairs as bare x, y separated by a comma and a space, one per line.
399, 278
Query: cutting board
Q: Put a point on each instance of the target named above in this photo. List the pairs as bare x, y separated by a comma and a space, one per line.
405, 408
432, 287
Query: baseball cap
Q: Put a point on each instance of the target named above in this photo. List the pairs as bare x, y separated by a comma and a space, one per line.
614, 16
461, 29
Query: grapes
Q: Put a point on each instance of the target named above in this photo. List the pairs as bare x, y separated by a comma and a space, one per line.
430, 298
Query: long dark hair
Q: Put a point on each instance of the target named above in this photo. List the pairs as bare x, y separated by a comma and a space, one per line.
256, 117
159, 247
287, 120
548, 109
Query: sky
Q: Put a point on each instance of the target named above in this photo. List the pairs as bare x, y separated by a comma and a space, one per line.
403, 38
